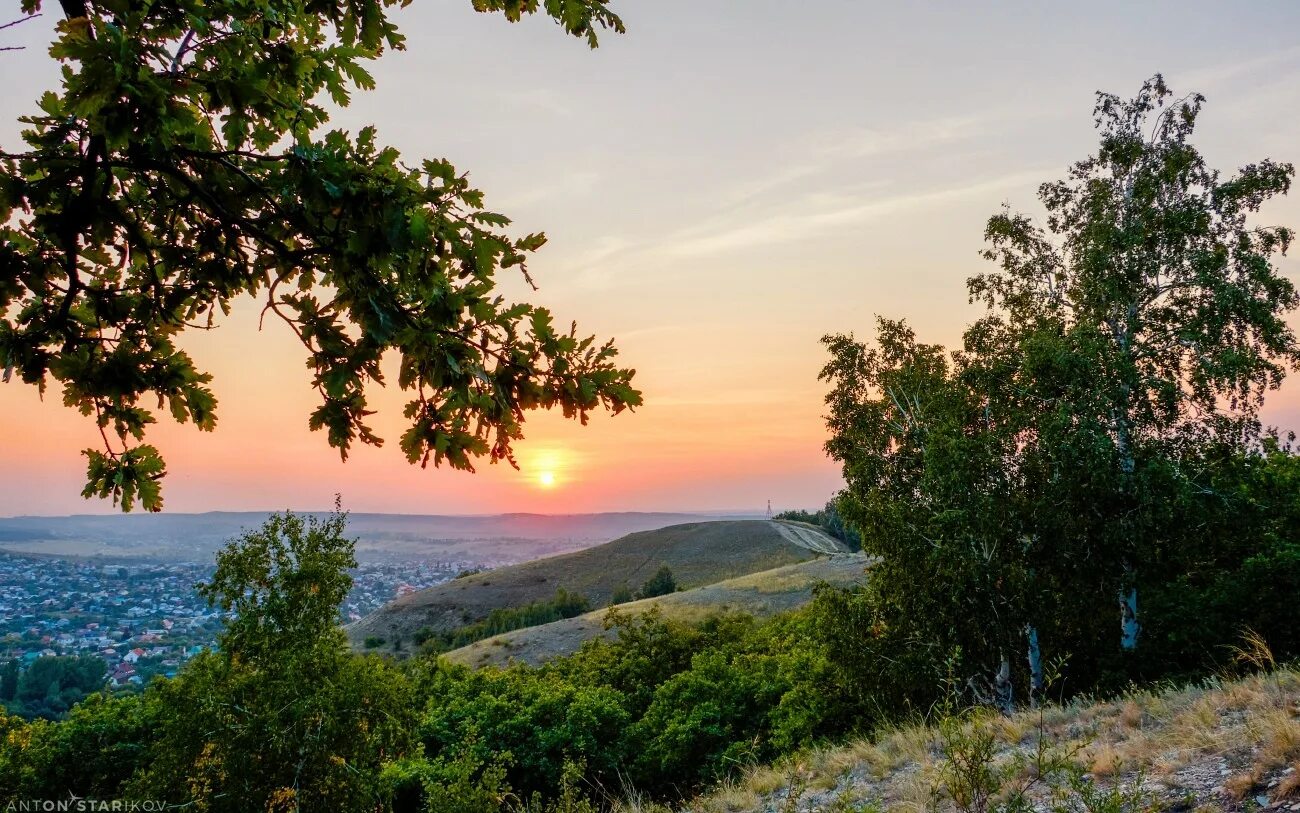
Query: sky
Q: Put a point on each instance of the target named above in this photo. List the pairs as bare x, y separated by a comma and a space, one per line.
722, 185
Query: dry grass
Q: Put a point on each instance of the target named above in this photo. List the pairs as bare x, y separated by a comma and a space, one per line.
1172, 735
1240, 784
1288, 787
1106, 761
1279, 738
1130, 716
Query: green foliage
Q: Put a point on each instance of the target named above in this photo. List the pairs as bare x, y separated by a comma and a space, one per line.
570, 798
537, 716
665, 706
1096, 434
456, 784
700, 723
184, 163
283, 583
309, 729
8, 680
621, 595
100, 745
646, 651
505, 619
662, 583
1244, 576
579, 18
283, 716
50, 686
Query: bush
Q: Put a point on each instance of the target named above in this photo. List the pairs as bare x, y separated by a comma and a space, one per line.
661, 583
506, 619
458, 784
622, 595
101, 744
536, 715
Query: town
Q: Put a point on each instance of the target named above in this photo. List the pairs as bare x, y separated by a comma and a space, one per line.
125, 622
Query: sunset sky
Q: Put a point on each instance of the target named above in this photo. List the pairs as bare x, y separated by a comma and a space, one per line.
721, 186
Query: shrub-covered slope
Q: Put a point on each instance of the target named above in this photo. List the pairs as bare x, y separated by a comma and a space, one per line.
758, 594
698, 554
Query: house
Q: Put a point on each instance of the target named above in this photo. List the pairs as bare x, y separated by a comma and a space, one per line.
122, 674
134, 655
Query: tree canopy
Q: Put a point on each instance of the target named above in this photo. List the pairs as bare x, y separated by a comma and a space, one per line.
184, 164
1099, 428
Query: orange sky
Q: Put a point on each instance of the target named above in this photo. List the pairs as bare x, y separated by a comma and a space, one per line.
732, 445
721, 186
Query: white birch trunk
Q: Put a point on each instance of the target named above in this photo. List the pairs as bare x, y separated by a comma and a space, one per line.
1129, 626
1035, 657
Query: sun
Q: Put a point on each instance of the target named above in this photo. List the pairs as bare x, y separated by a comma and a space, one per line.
546, 479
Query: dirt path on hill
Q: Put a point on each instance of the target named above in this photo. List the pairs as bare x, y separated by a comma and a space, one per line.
809, 537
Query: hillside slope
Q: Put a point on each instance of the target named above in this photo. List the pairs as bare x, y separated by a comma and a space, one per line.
699, 553
1230, 745
759, 594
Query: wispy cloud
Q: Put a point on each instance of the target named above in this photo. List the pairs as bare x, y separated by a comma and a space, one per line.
801, 222
538, 99
1224, 74
571, 183
837, 179
822, 153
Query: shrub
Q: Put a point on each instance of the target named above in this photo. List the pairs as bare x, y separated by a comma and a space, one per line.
660, 584
506, 619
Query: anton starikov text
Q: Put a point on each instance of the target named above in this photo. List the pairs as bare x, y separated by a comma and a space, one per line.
83, 806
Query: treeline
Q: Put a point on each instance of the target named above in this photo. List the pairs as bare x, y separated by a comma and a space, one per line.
284, 711
829, 520
506, 619
565, 604
1086, 478
50, 686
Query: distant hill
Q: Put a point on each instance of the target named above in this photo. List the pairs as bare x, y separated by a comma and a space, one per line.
759, 594
496, 539
698, 553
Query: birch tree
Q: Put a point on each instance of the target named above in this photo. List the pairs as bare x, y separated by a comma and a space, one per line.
1148, 313
1090, 433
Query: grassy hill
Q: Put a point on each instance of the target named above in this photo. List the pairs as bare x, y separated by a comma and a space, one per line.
698, 553
759, 594
1221, 745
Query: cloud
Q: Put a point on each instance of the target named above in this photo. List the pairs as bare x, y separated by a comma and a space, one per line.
801, 222
540, 99
838, 179
571, 183
1225, 73
824, 152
